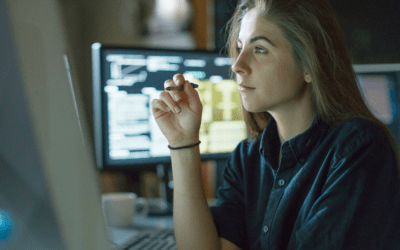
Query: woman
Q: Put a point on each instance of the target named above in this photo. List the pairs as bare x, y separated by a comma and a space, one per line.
318, 170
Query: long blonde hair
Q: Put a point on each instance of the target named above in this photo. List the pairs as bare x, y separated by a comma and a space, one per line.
318, 47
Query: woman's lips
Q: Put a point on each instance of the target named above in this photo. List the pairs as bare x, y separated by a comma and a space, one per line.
244, 87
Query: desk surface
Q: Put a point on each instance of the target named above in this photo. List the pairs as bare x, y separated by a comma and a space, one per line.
119, 235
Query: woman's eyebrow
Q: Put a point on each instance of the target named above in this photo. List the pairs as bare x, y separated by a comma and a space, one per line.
260, 37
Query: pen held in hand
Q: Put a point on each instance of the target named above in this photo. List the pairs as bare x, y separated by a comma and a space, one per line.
180, 88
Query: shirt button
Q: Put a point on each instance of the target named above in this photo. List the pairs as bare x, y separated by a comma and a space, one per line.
281, 182
266, 229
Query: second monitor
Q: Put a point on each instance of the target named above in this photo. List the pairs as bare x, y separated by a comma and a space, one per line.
126, 80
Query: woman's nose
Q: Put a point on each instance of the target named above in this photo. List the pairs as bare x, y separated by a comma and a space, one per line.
241, 65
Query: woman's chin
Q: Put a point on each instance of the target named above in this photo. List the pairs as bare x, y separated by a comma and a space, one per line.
253, 107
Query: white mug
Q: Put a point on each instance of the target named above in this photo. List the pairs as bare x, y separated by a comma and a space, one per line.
119, 209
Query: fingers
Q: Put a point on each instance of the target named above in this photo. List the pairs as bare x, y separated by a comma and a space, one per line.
178, 80
169, 102
176, 95
172, 99
157, 105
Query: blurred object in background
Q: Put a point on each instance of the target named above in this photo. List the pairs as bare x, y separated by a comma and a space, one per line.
171, 16
169, 25
6, 224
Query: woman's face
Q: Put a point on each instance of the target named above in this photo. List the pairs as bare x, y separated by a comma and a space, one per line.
268, 76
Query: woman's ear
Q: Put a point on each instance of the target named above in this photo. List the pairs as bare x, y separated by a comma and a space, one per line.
307, 78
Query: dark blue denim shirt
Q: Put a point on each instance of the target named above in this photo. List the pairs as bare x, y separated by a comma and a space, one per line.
335, 188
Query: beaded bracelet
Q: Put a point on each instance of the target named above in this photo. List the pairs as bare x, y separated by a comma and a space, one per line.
187, 146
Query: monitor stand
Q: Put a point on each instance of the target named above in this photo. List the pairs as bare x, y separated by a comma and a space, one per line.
166, 187
163, 206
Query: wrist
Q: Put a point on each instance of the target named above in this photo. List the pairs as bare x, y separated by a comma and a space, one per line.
183, 143
185, 146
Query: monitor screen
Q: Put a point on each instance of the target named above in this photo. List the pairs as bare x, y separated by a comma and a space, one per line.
126, 80
379, 85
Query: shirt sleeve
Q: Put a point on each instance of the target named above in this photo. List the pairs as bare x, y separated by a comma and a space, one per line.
228, 214
359, 206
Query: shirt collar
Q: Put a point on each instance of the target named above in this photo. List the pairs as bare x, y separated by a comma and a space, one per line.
301, 145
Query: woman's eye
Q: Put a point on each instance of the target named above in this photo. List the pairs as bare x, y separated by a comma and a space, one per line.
260, 50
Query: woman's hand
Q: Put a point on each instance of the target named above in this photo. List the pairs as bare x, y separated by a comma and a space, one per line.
178, 113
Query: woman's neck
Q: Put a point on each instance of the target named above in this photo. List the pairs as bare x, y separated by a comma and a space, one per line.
294, 121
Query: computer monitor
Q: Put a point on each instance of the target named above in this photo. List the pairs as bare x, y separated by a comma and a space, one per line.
49, 193
380, 85
126, 80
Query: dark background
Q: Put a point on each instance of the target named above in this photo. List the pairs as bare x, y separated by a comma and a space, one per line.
371, 28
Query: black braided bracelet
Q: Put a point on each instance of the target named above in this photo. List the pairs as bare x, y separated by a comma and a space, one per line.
187, 146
